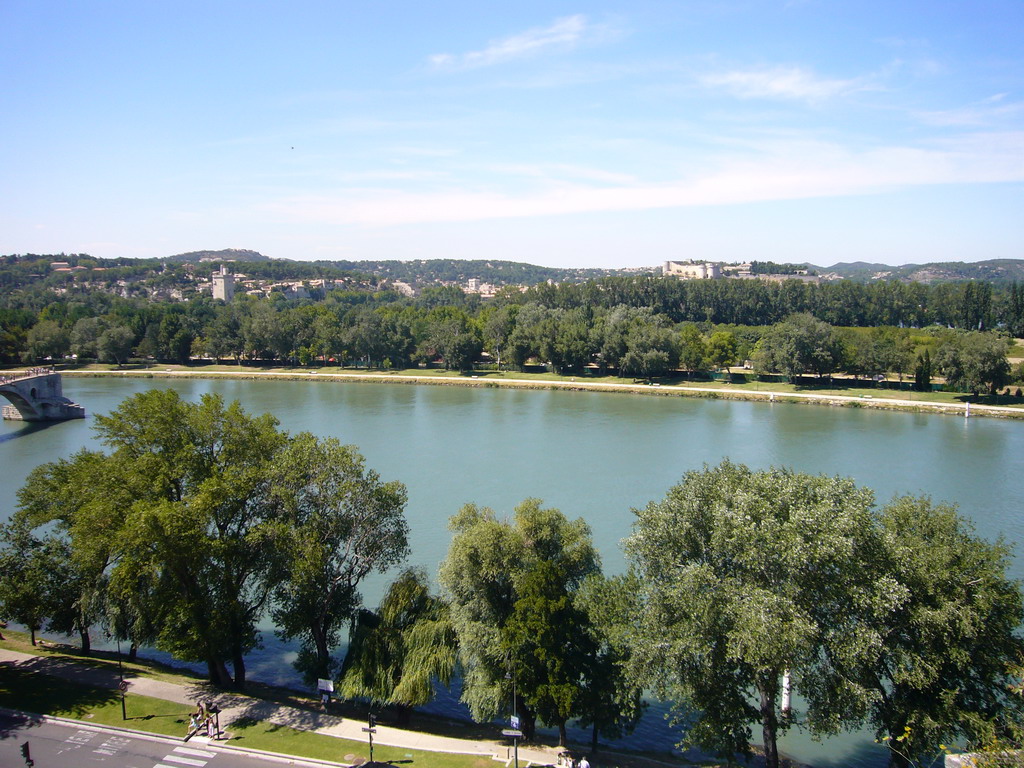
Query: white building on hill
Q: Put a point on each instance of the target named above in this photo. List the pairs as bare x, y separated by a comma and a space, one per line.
692, 270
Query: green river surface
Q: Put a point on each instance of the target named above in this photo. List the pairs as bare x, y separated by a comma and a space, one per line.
593, 455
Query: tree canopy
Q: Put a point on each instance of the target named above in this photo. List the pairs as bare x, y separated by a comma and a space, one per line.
899, 617
397, 652
511, 587
201, 517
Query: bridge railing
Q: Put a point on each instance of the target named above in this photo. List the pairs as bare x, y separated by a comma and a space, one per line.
12, 376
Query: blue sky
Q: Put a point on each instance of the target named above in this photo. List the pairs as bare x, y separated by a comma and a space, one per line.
561, 134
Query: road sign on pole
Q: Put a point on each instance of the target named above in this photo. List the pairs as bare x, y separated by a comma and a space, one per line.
370, 731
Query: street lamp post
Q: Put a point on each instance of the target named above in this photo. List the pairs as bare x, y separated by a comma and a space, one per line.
121, 685
514, 731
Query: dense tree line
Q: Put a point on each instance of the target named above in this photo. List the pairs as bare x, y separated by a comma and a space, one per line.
444, 326
641, 326
967, 305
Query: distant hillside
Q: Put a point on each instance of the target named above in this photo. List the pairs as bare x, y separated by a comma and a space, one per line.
228, 254
488, 271
992, 270
426, 271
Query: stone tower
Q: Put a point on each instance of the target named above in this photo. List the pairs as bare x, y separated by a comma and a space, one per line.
223, 284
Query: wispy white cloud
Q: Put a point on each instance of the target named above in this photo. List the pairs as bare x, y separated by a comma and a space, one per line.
558, 173
780, 171
987, 112
791, 83
564, 33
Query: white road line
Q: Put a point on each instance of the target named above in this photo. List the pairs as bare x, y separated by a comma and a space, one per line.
194, 752
184, 760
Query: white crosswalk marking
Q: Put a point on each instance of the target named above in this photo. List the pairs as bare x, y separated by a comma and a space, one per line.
180, 761
194, 752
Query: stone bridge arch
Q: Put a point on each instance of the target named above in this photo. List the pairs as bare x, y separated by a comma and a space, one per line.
37, 395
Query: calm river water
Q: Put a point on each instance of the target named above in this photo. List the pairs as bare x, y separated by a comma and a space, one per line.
595, 456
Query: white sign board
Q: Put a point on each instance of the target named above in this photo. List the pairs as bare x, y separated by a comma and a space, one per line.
325, 685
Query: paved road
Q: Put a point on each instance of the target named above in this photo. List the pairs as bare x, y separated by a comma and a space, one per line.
53, 745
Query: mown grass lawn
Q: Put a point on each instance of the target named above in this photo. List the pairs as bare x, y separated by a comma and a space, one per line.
45, 695
278, 738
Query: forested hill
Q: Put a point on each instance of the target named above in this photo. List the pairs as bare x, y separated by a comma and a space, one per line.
991, 270
488, 271
227, 254
425, 271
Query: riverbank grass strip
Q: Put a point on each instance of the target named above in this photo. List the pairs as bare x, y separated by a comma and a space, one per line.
262, 735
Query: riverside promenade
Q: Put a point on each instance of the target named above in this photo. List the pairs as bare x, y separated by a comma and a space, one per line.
235, 706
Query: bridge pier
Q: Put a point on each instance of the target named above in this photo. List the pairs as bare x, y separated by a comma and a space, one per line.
37, 395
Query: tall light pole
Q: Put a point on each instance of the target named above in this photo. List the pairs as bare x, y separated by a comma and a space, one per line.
514, 731
122, 686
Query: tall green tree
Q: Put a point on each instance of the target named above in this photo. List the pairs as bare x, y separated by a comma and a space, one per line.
83, 501
497, 326
451, 336
29, 581
568, 345
200, 534
651, 350
612, 699
722, 349
551, 650
941, 669
47, 339
503, 580
399, 651
115, 344
800, 344
338, 523
974, 361
85, 334
744, 576
692, 348
923, 372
